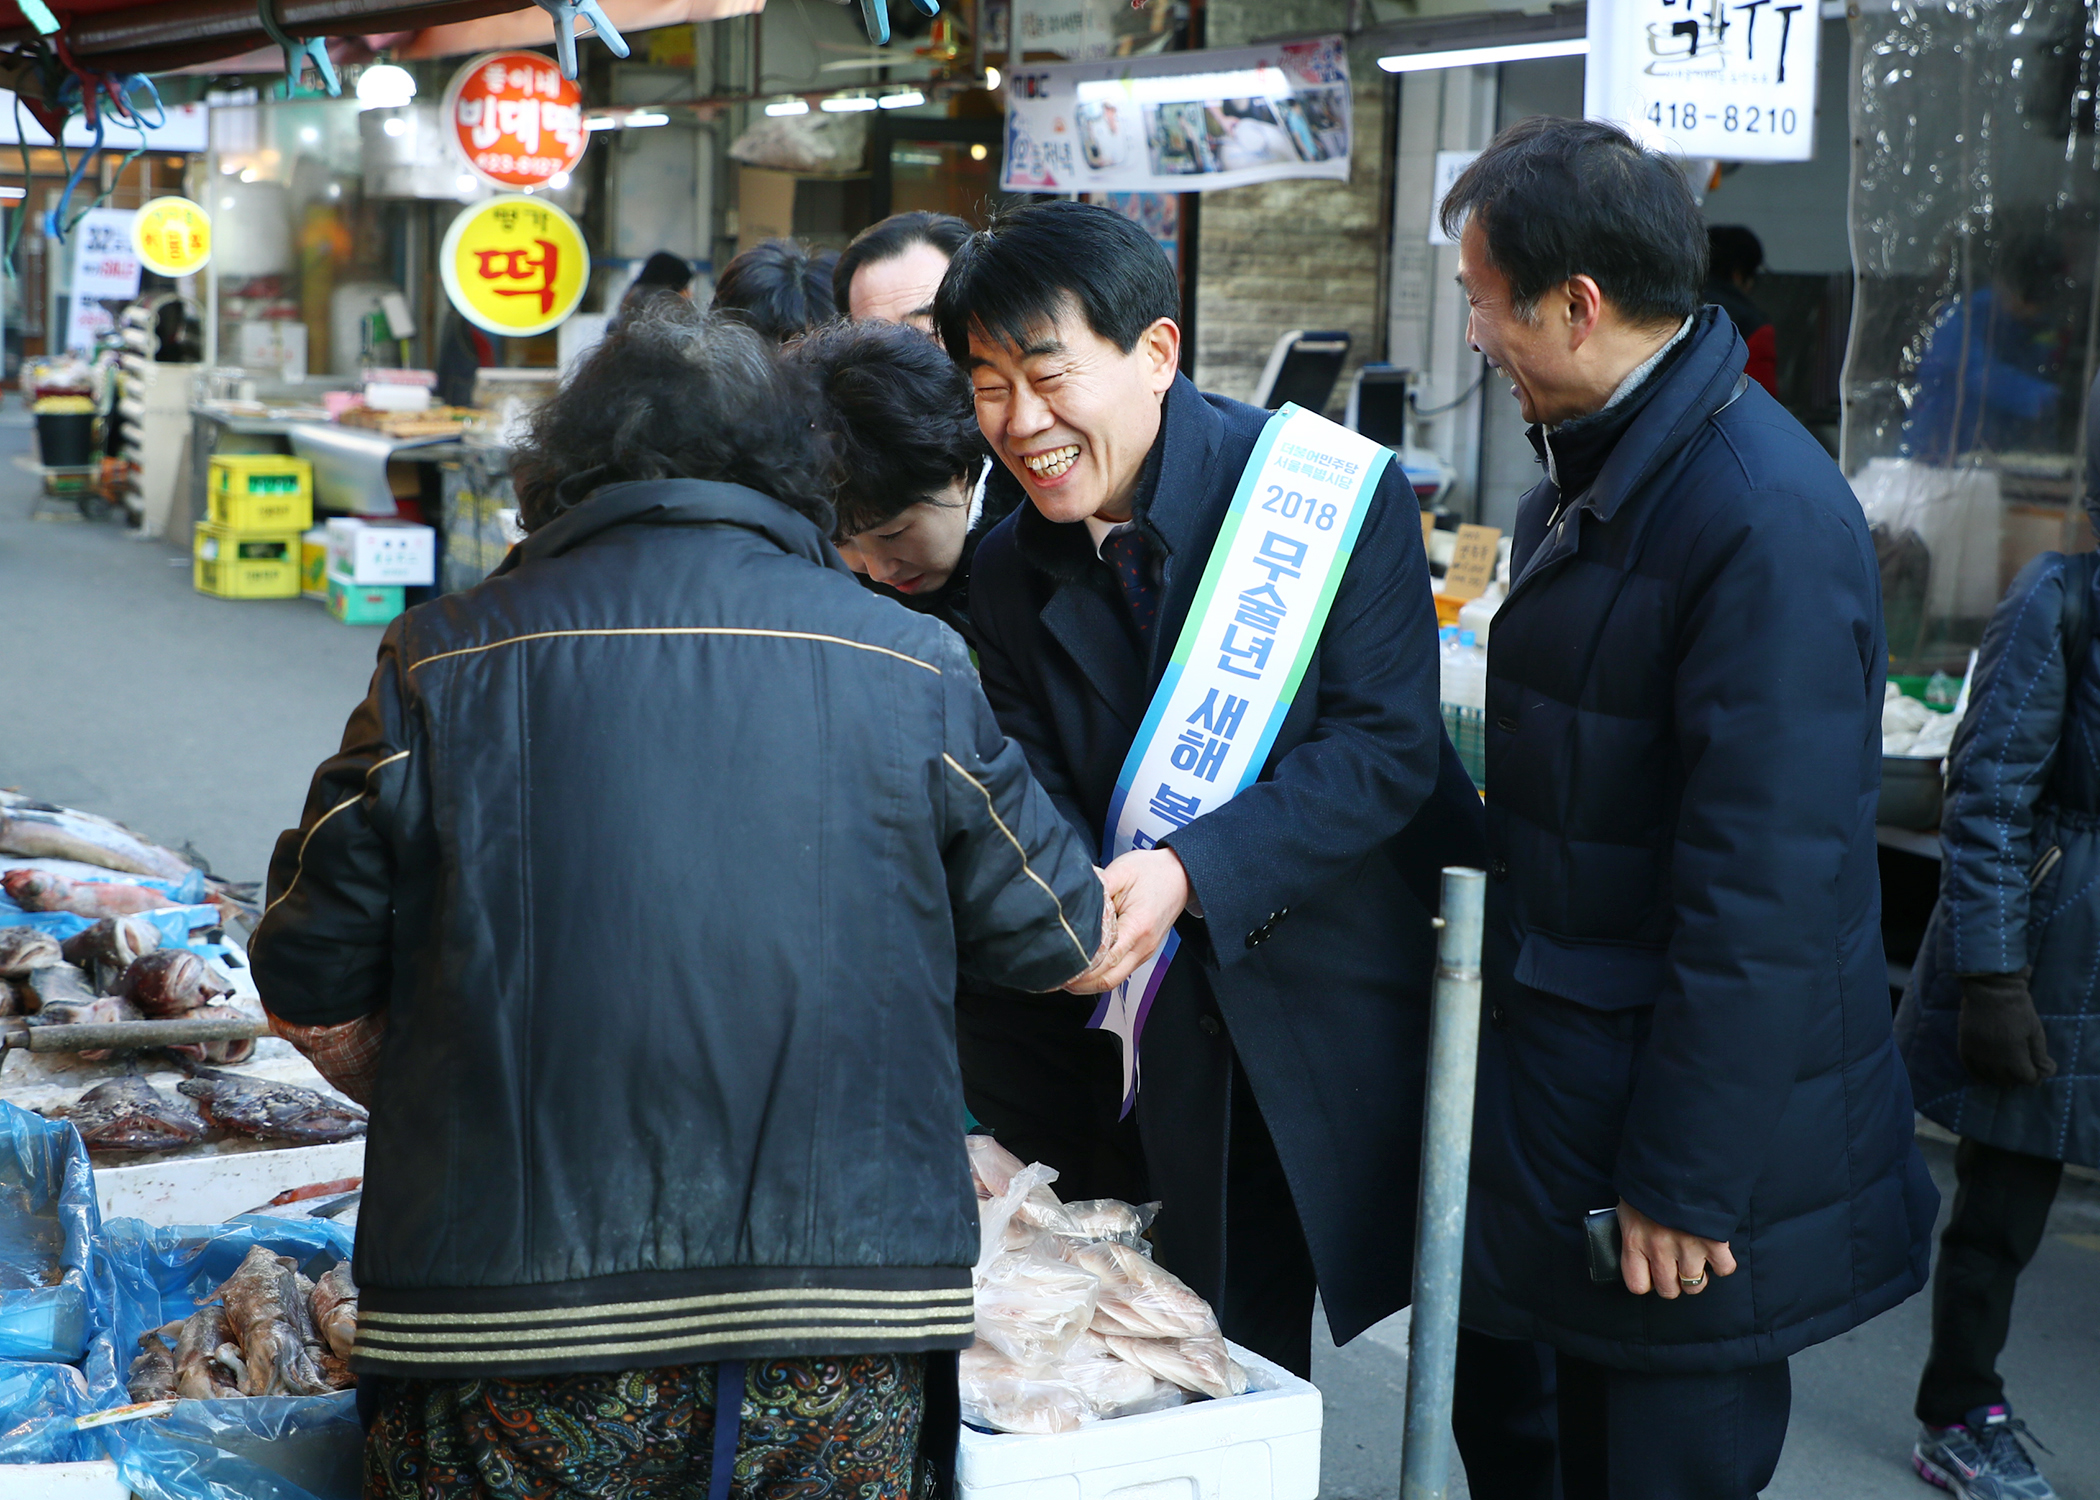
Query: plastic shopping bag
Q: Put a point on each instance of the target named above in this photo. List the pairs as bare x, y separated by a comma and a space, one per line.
48, 1219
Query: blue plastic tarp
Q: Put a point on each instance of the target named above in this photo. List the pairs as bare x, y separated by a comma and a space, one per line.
48, 1219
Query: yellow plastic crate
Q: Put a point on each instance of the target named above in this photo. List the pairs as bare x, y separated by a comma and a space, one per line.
232, 564
261, 492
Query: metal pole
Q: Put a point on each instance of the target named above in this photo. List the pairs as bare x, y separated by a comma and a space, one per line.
1440, 1223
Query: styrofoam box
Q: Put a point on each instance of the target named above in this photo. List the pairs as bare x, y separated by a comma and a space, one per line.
95, 1480
1264, 1445
212, 1189
381, 552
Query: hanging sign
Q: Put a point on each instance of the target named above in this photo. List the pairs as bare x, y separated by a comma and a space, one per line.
1707, 78
514, 265
105, 268
517, 120
172, 237
1180, 123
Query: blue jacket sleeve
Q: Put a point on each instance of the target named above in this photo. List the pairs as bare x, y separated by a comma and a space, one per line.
1371, 760
1998, 769
1779, 739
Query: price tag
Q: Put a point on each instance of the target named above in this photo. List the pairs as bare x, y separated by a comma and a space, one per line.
1472, 562
1725, 79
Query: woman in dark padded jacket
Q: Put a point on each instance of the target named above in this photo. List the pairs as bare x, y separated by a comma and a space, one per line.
634, 905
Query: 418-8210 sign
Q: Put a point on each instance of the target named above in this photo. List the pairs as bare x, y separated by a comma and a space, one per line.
517, 120
514, 265
1730, 79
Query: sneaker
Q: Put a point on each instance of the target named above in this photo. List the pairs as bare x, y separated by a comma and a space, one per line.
1980, 1458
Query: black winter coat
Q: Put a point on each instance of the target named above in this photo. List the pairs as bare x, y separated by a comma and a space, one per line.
2023, 780
1683, 963
662, 849
1317, 882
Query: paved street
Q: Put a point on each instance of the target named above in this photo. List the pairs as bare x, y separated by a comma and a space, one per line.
199, 720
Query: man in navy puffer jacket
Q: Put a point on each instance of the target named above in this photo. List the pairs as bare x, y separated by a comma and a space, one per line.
1688, 1021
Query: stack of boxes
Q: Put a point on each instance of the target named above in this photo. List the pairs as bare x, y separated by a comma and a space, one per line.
249, 548
361, 567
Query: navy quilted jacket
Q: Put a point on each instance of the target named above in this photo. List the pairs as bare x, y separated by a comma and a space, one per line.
1688, 1006
2023, 781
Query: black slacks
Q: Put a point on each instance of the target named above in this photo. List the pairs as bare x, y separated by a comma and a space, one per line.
2001, 1207
1535, 1425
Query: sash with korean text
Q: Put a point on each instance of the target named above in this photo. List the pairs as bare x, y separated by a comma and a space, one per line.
1270, 581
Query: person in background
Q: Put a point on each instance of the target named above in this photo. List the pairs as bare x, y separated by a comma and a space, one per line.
778, 288
2003, 989
1693, 1147
1991, 375
908, 464
1734, 256
890, 271
633, 905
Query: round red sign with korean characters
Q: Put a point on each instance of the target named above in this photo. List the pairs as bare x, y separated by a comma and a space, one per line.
517, 120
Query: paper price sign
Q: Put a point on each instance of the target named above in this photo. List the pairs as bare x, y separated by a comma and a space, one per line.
518, 122
514, 265
1472, 562
172, 236
1730, 79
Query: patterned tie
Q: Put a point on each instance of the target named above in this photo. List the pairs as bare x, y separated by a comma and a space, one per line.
1131, 556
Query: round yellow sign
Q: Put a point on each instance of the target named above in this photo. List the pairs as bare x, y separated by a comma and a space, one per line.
172, 236
514, 265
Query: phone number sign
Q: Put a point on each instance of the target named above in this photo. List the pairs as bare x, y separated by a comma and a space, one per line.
1730, 79
517, 120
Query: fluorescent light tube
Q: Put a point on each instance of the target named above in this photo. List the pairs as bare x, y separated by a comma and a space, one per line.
1471, 57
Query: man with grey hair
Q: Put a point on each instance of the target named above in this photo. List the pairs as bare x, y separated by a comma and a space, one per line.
1693, 1149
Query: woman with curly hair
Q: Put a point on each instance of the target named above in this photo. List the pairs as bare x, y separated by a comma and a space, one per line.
633, 906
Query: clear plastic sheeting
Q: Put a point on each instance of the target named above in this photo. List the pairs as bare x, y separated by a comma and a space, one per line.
48, 1219
1974, 204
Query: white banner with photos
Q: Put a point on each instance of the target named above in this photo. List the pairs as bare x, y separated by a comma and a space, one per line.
1182, 123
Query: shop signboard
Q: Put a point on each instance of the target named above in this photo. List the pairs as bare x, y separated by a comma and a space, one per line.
518, 122
1734, 80
172, 237
1181, 123
514, 265
105, 267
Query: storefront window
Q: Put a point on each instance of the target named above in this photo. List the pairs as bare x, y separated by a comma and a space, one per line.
1976, 184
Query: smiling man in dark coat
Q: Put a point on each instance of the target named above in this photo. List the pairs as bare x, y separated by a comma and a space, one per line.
1281, 1083
1688, 1003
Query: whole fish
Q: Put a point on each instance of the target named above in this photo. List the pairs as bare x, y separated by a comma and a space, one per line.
230, 1051
335, 1309
54, 984
94, 1012
110, 947
152, 1374
209, 1364
35, 890
272, 1111
271, 1321
38, 830
25, 948
130, 1114
171, 982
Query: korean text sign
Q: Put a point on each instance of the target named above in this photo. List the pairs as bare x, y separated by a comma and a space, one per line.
518, 122
105, 268
1730, 79
514, 265
1180, 123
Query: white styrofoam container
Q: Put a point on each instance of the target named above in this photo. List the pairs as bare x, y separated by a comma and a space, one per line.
381, 552
95, 1480
1264, 1445
212, 1189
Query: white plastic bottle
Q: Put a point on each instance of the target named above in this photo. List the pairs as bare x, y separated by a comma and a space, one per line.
1470, 673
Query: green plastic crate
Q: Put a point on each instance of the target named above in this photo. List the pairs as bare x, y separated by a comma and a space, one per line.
1468, 730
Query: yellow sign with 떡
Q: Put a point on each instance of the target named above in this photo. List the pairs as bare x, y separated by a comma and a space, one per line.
172, 236
1472, 562
514, 265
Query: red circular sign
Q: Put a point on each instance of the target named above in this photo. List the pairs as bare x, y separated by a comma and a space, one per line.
518, 121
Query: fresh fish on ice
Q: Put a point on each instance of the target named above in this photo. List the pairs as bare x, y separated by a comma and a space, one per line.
37, 890
130, 1114
54, 984
97, 1012
272, 1111
110, 947
39, 830
25, 948
227, 1052
171, 982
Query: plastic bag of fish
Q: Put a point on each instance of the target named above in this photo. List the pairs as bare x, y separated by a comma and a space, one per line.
1075, 1323
265, 1331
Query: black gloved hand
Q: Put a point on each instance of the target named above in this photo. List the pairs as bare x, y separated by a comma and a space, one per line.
2000, 1039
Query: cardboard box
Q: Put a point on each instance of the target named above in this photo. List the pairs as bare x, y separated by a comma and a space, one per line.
382, 552
313, 564
362, 603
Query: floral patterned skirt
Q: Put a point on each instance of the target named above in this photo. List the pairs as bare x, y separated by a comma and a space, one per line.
845, 1428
